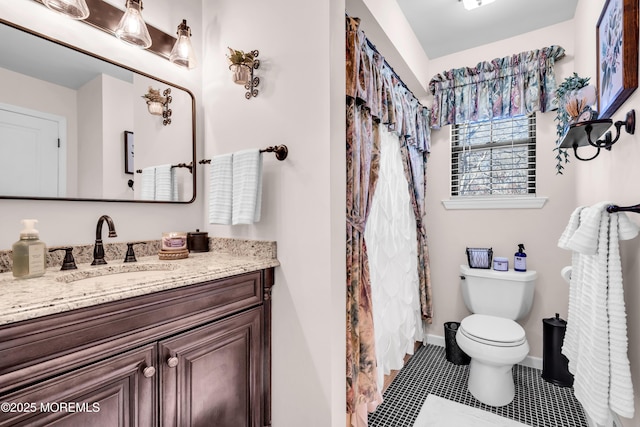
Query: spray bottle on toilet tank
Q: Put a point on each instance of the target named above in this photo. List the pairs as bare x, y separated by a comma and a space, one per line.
520, 259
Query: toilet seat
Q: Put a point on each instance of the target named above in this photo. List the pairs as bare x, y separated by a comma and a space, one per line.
492, 330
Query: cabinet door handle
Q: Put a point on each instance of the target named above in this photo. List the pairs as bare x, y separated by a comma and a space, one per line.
149, 371
172, 362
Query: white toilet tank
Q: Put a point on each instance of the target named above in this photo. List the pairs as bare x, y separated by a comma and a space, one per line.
507, 294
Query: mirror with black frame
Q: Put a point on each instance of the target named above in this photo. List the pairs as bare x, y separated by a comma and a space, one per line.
76, 126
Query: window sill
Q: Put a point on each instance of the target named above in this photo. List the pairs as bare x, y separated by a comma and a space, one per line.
495, 203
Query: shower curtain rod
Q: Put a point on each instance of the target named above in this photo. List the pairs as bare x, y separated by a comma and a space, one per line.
404, 85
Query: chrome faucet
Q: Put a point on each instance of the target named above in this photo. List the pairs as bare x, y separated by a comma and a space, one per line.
98, 249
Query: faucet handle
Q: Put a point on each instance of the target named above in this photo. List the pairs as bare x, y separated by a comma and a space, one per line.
68, 263
131, 256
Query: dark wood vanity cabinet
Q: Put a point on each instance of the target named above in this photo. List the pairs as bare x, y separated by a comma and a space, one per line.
199, 355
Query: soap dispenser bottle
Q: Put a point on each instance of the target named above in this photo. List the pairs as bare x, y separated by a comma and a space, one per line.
29, 253
520, 259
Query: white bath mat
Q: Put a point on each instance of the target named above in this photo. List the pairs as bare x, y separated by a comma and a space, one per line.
439, 412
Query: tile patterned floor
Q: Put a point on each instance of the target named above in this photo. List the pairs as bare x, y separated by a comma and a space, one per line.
537, 403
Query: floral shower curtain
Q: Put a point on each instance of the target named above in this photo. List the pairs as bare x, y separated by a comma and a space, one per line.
504, 87
375, 97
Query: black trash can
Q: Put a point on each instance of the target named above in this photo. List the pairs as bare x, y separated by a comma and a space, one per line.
554, 364
454, 353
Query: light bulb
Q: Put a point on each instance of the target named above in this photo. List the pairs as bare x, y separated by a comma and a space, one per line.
182, 53
132, 28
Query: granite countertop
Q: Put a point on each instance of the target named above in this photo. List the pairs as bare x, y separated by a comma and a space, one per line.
59, 291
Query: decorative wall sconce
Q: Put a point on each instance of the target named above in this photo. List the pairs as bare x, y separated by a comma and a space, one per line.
158, 105
242, 65
129, 27
584, 133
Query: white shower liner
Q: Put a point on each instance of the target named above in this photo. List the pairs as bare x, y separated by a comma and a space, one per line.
391, 241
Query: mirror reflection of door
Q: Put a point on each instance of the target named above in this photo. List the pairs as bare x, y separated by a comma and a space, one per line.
30, 156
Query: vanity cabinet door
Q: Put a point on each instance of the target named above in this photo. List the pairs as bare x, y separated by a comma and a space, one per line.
119, 391
212, 375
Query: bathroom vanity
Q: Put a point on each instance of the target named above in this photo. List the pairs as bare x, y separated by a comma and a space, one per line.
180, 343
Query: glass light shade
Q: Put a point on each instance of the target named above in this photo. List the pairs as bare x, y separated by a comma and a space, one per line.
132, 28
76, 9
472, 4
182, 53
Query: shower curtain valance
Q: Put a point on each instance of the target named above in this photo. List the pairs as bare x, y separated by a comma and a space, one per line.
371, 81
504, 87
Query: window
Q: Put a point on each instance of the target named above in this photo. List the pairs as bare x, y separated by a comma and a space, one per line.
494, 157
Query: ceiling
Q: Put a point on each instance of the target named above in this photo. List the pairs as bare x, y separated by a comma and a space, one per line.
445, 26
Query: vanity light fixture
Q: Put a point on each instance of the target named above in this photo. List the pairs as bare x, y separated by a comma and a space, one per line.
158, 105
182, 53
587, 133
132, 28
472, 4
75, 9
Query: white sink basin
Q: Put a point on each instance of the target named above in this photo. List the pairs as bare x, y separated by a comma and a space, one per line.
119, 273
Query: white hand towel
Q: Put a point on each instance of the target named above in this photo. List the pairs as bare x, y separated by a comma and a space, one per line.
148, 187
596, 337
572, 226
621, 394
247, 186
164, 183
220, 189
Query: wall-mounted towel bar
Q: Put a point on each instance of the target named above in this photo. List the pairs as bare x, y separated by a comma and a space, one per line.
281, 153
179, 165
616, 208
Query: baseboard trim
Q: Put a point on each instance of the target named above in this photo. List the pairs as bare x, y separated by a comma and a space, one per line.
529, 361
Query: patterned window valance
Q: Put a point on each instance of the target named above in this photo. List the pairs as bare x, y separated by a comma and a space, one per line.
504, 87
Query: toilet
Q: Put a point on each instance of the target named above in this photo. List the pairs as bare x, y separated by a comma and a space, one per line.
490, 336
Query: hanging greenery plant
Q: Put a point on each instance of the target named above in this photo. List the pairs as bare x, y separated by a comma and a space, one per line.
239, 57
569, 85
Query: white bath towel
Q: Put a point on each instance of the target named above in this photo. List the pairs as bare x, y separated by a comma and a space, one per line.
148, 187
247, 186
596, 337
221, 189
165, 183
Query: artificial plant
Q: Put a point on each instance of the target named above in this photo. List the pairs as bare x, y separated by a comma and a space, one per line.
239, 57
569, 85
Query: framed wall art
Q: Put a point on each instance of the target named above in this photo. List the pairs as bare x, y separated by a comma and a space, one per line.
128, 152
617, 54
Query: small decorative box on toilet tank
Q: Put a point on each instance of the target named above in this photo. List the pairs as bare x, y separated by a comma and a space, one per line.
501, 264
479, 257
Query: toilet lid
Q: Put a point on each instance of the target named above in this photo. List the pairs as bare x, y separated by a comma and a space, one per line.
492, 330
